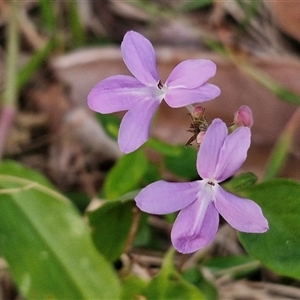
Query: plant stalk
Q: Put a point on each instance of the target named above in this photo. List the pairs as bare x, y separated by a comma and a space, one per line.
9, 97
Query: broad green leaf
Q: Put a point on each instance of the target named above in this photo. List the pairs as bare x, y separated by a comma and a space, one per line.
240, 182
126, 174
132, 288
10, 167
48, 245
110, 123
152, 174
169, 284
80, 199
183, 164
163, 147
278, 248
111, 224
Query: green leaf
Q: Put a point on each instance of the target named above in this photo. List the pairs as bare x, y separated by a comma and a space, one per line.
278, 248
111, 224
152, 174
126, 174
80, 199
194, 276
49, 19
47, 244
35, 62
164, 148
235, 266
240, 182
110, 123
133, 287
75, 24
193, 5
184, 163
10, 167
169, 284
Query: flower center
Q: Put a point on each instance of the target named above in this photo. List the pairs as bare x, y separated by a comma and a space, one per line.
210, 184
160, 85
162, 89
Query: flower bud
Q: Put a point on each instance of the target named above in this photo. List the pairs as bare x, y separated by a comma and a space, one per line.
200, 137
198, 112
243, 117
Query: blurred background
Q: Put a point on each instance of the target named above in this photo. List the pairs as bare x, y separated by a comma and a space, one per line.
66, 47
53, 52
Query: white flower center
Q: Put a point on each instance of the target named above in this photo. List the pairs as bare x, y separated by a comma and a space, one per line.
161, 90
210, 185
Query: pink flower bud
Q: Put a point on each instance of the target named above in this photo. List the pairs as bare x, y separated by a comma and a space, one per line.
243, 117
200, 137
198, 112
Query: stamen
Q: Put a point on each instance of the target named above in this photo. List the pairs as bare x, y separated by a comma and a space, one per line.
160, 85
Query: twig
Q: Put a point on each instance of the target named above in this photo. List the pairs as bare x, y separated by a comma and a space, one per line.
133, 230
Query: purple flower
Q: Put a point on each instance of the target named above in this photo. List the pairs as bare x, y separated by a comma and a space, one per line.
142, 94
200, 202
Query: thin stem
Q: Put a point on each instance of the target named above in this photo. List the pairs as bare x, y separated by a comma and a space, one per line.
190, 108
75, 24
10, 92
9, 99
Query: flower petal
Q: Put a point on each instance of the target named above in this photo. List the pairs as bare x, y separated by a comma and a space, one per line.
139, 57
180, 97
208, 154
242, 214
117, 93
163, 197
191, 73
196, 225
135, 125
233, 153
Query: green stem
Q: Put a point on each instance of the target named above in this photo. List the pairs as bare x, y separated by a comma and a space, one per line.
75, 24
10, 92
9, 99
48, 14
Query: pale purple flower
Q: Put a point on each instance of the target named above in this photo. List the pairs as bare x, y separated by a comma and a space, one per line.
200, 202
142, 94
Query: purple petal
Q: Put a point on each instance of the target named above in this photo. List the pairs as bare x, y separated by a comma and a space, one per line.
163, 197
208, 155
242, 214
191, 73
135, 125
117, 93
179, 97
233, 153
139, 57
195, 226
